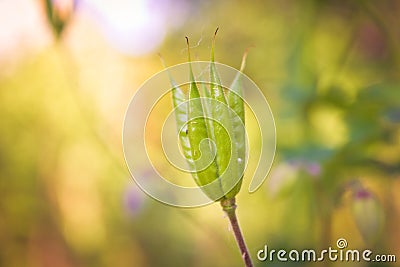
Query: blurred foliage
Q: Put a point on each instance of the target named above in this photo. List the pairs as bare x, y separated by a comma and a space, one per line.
330, 71
58, 16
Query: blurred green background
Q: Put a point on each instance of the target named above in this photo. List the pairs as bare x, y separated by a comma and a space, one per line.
329, 69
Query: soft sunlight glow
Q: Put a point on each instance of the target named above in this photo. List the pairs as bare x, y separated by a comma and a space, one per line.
131, 26
23, 26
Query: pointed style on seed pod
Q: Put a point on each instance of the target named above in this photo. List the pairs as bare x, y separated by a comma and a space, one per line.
236, 105
217, 117
227, 157
205, 166
181, 116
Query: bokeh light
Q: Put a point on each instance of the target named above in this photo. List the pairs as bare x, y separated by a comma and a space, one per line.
329, 69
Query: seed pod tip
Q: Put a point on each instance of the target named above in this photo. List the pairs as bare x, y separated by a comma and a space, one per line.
213, 44
162, 60
216, 31
188, 47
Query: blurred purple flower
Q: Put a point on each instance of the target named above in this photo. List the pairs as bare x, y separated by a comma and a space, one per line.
284, 175
313, 168
371, 41
362, 194
133, 199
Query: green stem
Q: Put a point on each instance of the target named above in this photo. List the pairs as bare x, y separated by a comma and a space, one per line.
229, 206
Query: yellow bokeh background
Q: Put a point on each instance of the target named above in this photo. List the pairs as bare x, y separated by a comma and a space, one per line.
329, 69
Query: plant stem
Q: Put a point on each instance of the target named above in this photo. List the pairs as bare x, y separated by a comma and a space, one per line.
229, 206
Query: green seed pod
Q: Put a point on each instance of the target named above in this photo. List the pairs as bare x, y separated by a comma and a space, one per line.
202, 153
181, 117
227, 158
216, 117
368, 214
236, 104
